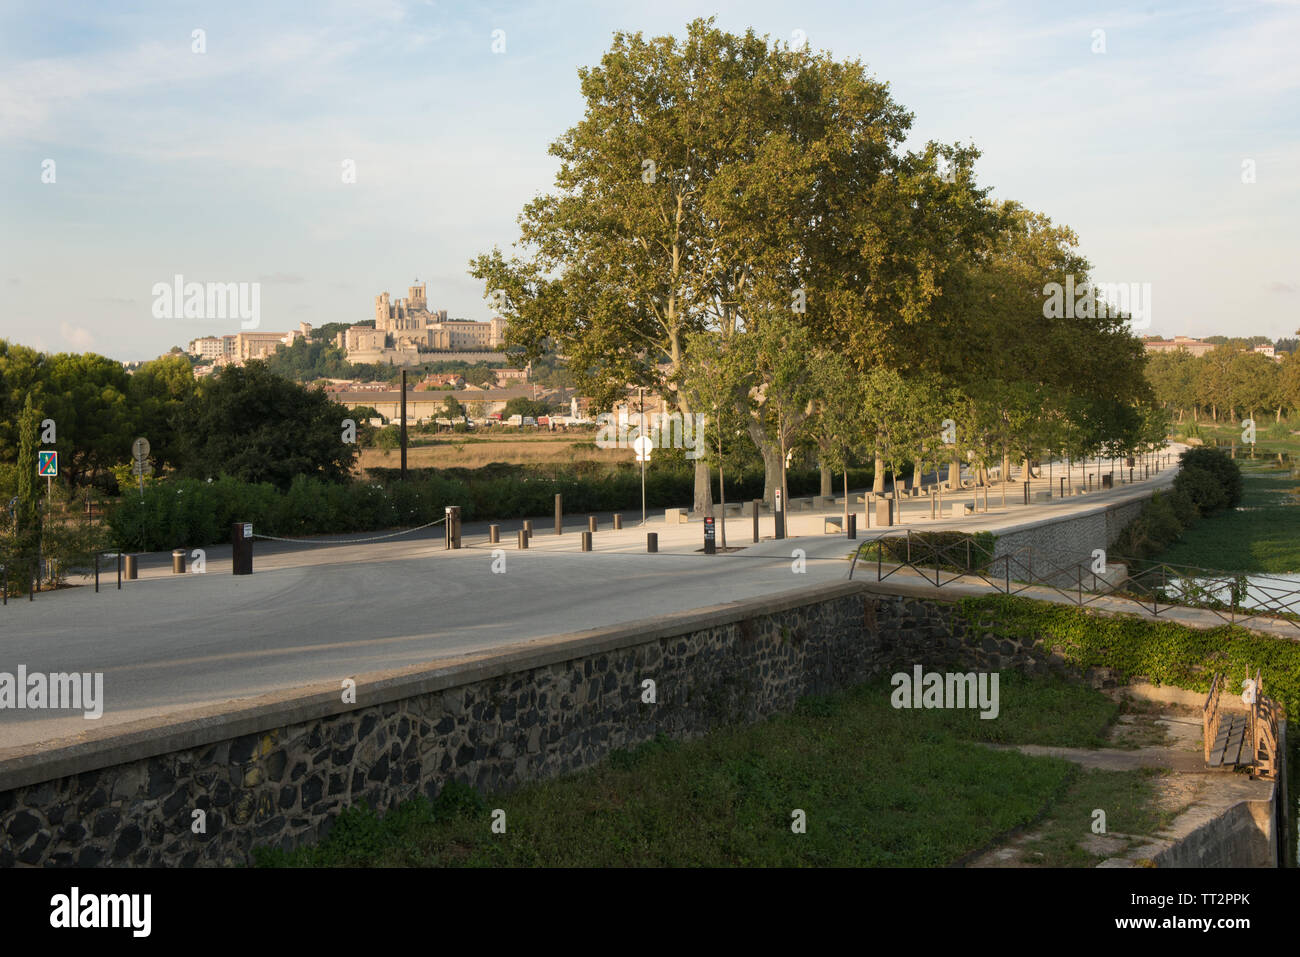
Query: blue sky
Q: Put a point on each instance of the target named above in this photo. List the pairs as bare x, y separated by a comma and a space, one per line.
225, 166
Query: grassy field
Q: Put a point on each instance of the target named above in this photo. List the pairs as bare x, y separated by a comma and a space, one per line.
1262, 536
879, 786
1270, 437
474, 451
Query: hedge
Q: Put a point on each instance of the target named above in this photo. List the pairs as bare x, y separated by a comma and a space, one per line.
1162, 652
1207, 481
189, 513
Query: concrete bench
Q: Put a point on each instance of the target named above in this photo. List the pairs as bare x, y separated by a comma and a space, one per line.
747, 508
1041, 497
824, 501
962, 509
734, 509
675, 516
833, 523
800, 504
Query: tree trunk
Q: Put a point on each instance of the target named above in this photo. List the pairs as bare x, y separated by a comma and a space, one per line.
826, 479
771, 461
703, 504
954, 474
878, 479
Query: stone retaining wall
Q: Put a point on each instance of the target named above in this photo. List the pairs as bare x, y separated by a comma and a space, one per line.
276, 771
1066, 541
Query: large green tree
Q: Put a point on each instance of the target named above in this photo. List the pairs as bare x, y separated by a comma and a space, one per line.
158, 393
254, 425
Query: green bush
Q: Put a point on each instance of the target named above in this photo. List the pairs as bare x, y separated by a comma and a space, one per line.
1220, 466
1204, 490
189, 513
1185, 509
1161, 652
1207, 481
949, 547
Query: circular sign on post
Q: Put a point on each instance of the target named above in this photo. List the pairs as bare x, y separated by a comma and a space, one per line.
140, 448
642, 446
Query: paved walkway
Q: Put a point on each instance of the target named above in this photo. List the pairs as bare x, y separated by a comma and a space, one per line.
1169, 729
314, 613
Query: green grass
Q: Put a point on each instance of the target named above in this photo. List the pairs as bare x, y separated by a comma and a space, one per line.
1127, 797
1270, 438
1262, 538
879, 786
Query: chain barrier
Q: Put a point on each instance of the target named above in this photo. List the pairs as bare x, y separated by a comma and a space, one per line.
350, 541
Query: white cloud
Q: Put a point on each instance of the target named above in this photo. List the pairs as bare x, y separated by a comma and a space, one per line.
76, 337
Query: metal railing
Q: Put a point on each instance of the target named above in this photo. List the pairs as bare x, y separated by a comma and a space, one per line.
1157, 588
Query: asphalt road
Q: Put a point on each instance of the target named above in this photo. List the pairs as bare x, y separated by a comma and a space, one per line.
315, 613
170, 643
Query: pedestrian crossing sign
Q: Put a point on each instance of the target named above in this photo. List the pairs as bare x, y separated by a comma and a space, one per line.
47, 464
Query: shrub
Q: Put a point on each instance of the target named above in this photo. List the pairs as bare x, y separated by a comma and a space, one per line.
1216, 463
1204, 490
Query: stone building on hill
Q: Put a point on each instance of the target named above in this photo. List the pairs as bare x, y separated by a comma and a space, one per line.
404, 328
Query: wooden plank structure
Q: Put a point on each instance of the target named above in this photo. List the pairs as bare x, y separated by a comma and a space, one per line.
1241, 740
1263, 732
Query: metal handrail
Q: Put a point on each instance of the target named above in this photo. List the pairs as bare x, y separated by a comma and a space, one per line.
1157, 588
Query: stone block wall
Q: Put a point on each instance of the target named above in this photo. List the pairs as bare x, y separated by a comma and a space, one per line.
278, 774
1065, 542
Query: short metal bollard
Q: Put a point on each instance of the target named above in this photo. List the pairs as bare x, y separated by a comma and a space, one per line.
452, 526
178, 561
757, 504
130, 568
591, 523
559, 514
618, 521
652, 541
852, 531
528, 527
586, 541
494, 534
523, 538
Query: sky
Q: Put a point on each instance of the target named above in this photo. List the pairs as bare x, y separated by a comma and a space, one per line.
1169, 142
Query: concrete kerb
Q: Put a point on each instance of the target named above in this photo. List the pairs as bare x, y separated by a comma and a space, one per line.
149, 737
